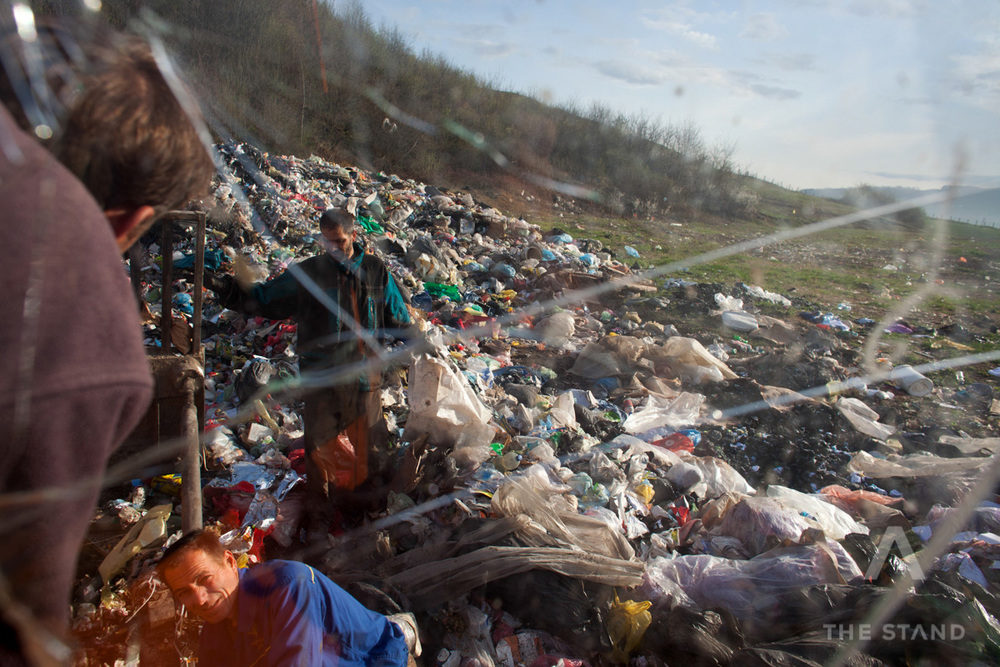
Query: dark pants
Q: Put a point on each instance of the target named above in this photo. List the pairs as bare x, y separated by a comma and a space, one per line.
346, 442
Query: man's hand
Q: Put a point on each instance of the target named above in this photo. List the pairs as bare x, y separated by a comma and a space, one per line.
219, 283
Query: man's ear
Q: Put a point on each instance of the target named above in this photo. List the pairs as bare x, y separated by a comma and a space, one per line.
129, 225
230, 560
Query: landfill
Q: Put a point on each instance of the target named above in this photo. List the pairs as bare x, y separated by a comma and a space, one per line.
596, 466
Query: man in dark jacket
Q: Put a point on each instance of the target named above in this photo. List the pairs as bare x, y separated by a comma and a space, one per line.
343, 301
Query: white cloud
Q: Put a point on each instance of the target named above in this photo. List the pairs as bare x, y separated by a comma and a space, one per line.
789, 62
680, 21
631, 72
890, 8
685, 32
488, 48
775, 92
764, 27
979, 72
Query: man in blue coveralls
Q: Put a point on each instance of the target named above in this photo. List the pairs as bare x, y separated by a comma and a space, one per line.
278, 613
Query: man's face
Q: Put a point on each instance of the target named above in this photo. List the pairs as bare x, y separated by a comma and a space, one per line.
204, 585
339, 242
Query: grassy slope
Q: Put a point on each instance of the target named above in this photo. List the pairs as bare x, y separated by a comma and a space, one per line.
818, 271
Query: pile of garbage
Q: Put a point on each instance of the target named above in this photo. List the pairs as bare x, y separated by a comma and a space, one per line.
596, 467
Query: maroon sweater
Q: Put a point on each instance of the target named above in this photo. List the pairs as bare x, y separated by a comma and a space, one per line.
73, 374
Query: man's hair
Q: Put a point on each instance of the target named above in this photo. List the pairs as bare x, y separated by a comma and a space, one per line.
204, 539
119, 127
337, 218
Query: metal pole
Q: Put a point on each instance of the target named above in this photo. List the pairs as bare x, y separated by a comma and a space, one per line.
166, 297
199, 280
190, 378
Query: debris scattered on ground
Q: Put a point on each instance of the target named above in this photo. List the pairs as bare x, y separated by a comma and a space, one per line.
656, 469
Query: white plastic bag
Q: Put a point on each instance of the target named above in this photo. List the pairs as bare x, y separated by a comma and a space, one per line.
718, 477
664, 414
863, 418
679, 350
557, 329
444, 407
761, 524
533, 494
747, 587
833, 521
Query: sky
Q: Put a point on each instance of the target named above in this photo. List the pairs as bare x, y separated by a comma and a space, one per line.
808, 93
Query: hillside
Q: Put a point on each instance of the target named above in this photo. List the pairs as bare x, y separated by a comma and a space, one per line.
978, 206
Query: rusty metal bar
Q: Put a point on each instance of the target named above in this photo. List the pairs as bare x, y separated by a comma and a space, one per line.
199, 279
134, 270
166, 296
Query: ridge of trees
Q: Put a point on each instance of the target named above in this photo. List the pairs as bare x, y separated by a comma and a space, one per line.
305, 79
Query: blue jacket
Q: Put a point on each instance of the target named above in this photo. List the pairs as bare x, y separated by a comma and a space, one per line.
290, 614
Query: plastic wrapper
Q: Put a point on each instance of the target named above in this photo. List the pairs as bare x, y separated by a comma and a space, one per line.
833, 521
263, 511
985, 519
432, 583
627, 623
761, 524
678, 350
660, 415
847, 499
557, 329
288, 519
532, 494
728, 303
717, 477
222, 448
919, 465
863, 418
444, 407
746, 587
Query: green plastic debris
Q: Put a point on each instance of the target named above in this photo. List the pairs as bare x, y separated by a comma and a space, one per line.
437, 290
369, 225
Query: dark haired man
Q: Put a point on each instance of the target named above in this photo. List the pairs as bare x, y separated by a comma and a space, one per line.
74, 379
343, 301
278, 613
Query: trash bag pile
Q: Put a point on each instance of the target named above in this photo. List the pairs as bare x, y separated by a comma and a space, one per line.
596, 467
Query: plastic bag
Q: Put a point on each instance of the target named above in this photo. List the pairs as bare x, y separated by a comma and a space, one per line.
850, 500
917, 465
562, 412
337, 459
595, 362
863, 418
627, 622
728, 303
746, 587
557, 329
718, 477
833, 521
532, 494
660, 414
444, 407
679, 350
761, 524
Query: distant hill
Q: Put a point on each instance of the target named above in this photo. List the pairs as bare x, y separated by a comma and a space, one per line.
977, 206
